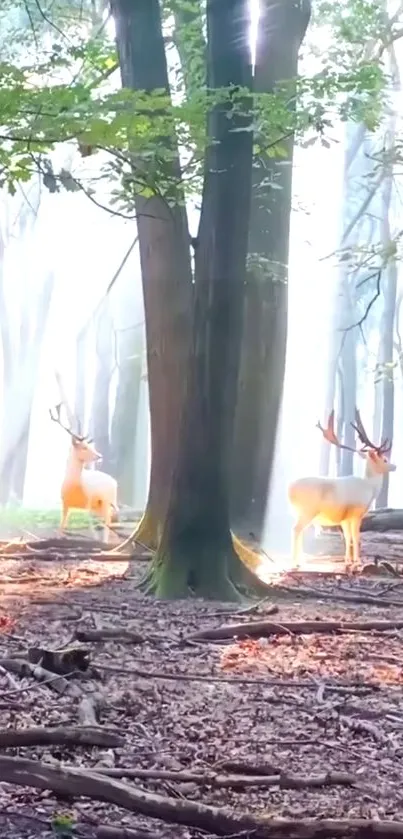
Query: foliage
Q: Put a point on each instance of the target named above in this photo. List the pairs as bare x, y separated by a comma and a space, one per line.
66, 91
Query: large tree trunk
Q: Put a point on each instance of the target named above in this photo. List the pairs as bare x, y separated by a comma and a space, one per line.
165, 264
282, 27
196, 546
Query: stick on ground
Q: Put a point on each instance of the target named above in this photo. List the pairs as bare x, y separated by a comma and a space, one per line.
263, 629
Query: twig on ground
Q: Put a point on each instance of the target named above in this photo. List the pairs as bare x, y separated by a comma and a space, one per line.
318, 594
352, 687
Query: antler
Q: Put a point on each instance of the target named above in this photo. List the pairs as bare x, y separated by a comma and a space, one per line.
384, 447
55, 416
330, 434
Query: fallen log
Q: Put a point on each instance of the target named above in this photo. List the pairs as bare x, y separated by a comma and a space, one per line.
382, 520
127, 636
221, 821
214, 779
61, 736
263, 629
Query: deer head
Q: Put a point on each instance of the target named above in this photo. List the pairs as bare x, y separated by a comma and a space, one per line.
378, 456
83, 446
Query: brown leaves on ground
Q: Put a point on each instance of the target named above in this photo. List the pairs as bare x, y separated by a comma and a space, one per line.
202, 726
353, 657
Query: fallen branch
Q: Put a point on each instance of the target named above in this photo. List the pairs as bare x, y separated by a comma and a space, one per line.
351, 687
24, 668
69, 736
221, 821
212, 779
109, 633
262, 629
318, 594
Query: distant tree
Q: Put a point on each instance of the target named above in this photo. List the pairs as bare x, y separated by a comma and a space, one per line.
21, 339
130, 348
100, 419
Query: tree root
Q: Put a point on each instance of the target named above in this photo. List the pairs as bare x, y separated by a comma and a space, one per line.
263, 629
221, 821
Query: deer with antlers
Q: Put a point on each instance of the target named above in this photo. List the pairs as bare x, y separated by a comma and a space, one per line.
82, 488
340, 501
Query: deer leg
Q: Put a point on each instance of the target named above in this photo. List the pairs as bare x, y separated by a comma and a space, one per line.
107, 516
355, 525
347, 533
297, 534
65, 515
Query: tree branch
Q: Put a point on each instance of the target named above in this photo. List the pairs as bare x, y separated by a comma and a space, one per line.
221, 821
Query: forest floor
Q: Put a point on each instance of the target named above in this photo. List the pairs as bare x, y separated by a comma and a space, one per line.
303, 723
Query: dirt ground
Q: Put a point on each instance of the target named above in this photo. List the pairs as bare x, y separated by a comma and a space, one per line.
293, 725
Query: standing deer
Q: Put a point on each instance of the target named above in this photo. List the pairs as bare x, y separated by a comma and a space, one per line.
340, 501
82, 488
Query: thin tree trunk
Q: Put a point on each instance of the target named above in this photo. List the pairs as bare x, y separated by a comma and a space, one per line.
196, 550
165, 265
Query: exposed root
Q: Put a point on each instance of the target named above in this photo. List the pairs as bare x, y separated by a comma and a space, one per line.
147, 530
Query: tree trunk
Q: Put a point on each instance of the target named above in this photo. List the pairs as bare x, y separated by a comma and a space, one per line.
387, 334
196, 551
165, 265
348, 385
282, 27
80, 389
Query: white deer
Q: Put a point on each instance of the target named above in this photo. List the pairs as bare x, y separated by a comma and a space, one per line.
340, 501
85, 489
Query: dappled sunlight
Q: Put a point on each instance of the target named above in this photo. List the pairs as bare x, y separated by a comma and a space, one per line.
30, 568
277, 567
351, 657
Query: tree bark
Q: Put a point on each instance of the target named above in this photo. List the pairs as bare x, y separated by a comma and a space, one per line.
282, 27
196, 545
165, 265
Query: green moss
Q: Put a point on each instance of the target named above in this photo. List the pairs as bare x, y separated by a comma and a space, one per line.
24, 518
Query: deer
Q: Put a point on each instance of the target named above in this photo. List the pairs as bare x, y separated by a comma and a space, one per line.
82, 488
342, 501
